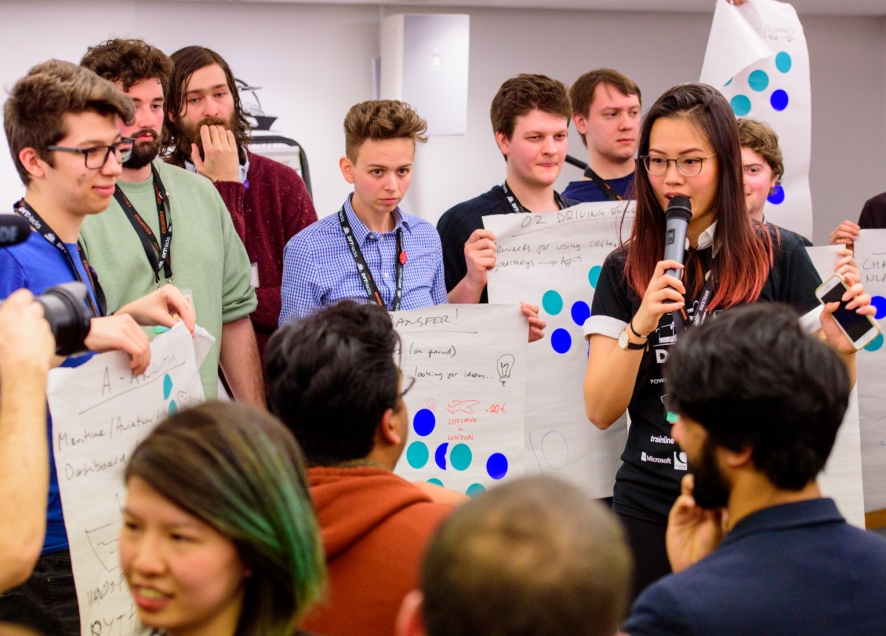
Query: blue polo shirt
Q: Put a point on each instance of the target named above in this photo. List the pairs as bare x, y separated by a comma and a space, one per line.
793, 569
36, 265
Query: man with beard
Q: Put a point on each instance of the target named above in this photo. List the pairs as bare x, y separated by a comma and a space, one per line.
166, 223
754, 546
207, 133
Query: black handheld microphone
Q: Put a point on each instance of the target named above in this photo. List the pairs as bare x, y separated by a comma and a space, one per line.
13, 230
678, 216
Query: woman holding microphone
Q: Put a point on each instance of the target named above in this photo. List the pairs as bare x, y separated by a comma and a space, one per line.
688, 147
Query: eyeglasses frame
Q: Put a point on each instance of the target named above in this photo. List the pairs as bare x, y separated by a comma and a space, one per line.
644, 159
85, 152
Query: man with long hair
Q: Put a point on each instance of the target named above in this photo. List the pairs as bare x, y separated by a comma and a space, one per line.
206, 132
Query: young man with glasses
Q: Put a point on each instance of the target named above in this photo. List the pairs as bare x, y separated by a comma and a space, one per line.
374, 524
166, 224
61, 125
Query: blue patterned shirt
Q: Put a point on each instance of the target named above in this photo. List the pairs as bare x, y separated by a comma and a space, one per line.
319, 270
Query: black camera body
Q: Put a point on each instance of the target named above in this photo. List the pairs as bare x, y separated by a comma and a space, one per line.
64, 307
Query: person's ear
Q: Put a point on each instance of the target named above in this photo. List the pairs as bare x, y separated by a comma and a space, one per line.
387, 431
736, 459
34, 165
504, 144
581, 123
347, 169
410, 621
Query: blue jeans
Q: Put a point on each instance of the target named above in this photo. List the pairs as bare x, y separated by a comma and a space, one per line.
46, 602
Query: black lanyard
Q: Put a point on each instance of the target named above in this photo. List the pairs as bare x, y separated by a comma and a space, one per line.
149, 241
681, 318
23, 209
519, 208
611, 194
363, 269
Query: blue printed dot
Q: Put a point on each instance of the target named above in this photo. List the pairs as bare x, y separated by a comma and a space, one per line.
880, 303
758, 80
779, 100
417, 455
552, 302
728, 83
741, 105
434, 480
424, 422
777, 195
580, 312
497, 466
475, 489
561, 340
594, 275
460, 457
440, 455
875, 344
783, 62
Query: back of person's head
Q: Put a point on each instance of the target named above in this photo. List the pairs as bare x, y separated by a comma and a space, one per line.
581, 93
240, 471
128, 62
752, 378
34, 114
524, 93
759, 137
380, 120
534, 557
331, 377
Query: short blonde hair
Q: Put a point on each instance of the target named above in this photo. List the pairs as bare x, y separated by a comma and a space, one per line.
381, 119
759, 137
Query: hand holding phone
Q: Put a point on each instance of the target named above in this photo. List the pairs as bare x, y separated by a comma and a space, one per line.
852, 316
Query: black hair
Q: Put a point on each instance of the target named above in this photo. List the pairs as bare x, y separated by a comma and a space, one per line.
752, 378
331, 377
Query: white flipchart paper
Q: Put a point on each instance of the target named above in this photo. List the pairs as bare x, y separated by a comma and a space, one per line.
553, 260
841, 478
100, 412
870, 254
774, 88
466, 407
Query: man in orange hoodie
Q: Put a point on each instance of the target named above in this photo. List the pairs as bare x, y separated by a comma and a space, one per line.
334, 382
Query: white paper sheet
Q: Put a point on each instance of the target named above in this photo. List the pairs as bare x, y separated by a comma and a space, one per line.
100, 412
553, 260
870, 254
466, 408
841, 478
775, 89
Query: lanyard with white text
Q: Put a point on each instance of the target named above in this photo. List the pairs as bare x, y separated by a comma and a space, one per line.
146, 236
519, 208
363, 269
681, 318
24, 210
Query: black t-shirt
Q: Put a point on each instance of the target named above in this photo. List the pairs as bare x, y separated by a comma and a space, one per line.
460, 221
873, 214
648, 482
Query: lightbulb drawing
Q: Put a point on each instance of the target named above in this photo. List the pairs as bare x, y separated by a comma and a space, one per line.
505, 365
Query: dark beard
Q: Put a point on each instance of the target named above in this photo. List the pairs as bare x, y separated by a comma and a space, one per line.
143, 152
188, 135
711, 490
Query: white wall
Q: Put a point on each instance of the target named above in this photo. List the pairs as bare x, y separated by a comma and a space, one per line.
313, 62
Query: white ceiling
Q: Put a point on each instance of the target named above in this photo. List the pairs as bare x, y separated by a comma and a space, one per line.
803, 7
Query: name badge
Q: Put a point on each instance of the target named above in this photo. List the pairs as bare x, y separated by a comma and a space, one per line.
254, 275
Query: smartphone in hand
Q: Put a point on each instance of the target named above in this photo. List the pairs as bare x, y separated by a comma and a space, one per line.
859, 329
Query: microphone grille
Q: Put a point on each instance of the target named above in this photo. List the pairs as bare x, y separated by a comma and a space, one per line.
679, 207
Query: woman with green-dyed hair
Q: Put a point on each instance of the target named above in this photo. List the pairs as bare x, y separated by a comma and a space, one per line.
219, 533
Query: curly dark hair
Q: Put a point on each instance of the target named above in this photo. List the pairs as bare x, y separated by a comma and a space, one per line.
128, 62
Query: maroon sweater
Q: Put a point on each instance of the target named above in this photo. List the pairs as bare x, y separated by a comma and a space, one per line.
274, 208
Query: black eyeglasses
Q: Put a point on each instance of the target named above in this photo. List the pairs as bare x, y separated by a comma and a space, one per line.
408, 382
97, 156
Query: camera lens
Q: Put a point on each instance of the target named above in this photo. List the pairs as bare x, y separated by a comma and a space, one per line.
67, 315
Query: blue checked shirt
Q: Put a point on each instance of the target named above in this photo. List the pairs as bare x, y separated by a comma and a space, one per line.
319, 270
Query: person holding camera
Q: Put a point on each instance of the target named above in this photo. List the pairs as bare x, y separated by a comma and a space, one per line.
61, 125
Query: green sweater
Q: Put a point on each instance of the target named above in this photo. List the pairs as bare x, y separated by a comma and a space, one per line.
207, 256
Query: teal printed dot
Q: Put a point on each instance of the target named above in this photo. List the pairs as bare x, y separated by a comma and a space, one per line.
460, 457
434, 480
475, 489
783, 62
594, 275
741, 105
672, 417
167, 387
552, 302
417, 455
779, 100
728, 83
875, 344
758, 81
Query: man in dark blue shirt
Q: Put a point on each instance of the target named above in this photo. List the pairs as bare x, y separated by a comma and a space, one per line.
606, 113
759, 407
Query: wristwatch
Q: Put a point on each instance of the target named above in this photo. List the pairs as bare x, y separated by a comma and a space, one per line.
625, 343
